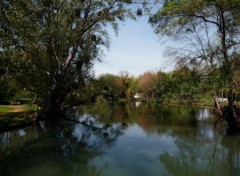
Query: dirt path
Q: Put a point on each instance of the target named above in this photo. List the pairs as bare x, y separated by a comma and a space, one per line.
17, 108
12, 108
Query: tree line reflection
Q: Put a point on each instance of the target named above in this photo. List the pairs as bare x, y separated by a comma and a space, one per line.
64, 150
203, 147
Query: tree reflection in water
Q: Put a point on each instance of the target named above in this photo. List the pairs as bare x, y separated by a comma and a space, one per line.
232, 143
199, 154
184, 140
65, 150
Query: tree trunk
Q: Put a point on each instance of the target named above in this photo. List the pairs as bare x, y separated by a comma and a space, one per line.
51, 106
231, 112
217, 106
233, 120
54, 106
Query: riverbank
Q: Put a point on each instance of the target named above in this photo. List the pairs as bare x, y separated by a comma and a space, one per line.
12, 116
15, 116
203, 102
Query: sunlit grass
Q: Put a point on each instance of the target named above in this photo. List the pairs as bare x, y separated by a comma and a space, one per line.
30, 108
6, 108
12, 116
17, 108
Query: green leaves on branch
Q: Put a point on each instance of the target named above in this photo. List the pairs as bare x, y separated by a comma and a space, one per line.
208, 31
52, 45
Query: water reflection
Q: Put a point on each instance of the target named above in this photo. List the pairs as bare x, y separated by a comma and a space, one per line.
232, 143
65, 150
201, 154
124, 140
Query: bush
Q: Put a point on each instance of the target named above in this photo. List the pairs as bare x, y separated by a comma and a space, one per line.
100, 99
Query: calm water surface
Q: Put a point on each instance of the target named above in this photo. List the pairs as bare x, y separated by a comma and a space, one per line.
124, 140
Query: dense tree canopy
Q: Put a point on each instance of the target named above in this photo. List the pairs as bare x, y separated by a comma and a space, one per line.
210, 28
50, 46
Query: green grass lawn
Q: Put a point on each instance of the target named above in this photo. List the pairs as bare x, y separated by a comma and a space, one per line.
17, 108
6, 108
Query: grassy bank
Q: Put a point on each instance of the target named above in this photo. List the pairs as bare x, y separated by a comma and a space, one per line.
15, 116
6, 109
17, 108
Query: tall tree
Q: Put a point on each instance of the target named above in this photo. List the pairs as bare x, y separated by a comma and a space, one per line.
148, 85
52, 45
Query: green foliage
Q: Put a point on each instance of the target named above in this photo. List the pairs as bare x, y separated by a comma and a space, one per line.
208, 32
49, 47
6, 109
112, 87
133, 88
209, 28
100, 99
23, 96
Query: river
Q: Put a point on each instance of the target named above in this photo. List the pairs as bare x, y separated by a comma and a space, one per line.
124, 140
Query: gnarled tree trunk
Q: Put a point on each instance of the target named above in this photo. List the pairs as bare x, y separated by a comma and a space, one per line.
229, 113
233, 119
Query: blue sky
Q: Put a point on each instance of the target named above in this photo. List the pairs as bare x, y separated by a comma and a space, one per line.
136, 49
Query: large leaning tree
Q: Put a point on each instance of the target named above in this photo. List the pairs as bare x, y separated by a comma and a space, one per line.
49, 46
212, 27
